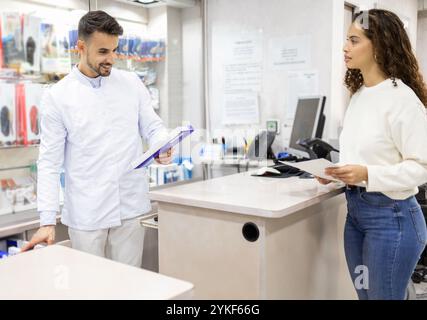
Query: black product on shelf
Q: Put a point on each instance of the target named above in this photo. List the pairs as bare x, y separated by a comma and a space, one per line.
5, 121
30, 49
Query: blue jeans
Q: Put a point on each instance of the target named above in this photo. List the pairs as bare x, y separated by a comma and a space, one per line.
383, 241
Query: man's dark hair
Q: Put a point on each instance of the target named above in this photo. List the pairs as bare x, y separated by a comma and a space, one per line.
98, 21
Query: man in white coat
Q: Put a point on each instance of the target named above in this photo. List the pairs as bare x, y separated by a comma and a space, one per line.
92, 122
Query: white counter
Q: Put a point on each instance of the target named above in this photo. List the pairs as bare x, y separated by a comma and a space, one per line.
58, 272
244, 237
244, 194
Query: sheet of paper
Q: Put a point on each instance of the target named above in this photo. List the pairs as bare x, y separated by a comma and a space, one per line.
240, 63
242, 77
291, 53
242, 47
242, 58
241, 108
315, 167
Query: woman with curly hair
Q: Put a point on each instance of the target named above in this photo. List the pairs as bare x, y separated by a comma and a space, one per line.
384, 138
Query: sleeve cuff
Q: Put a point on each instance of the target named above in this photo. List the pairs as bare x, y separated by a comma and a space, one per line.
47, 218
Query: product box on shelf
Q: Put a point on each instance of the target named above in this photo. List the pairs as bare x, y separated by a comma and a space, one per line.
33, 96
19, 193
5, 206
32, 43
7, 114
11, 31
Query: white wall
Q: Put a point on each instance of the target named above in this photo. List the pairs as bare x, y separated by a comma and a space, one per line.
174, 66
407, 10
192, 54
273, 18
157, 27
182, 76
422, 43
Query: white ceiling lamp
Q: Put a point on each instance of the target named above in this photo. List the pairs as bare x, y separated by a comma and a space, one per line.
155, 3
146, 2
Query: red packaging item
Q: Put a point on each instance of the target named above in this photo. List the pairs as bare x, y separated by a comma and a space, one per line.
22, 137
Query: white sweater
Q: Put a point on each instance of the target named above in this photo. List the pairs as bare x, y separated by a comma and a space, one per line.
385, 129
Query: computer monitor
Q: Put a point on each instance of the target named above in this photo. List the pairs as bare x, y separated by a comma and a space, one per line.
308, 123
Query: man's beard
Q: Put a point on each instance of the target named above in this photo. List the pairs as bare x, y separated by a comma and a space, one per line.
100, 71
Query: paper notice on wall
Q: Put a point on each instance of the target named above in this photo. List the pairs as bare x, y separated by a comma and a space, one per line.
292, 53
243, 48
300, 84
237, 74
242, 77
241, 108
242, 63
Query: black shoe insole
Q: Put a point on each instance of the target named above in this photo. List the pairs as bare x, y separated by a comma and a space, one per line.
5, 121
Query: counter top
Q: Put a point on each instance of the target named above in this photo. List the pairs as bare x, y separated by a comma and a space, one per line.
244, 194
58, 272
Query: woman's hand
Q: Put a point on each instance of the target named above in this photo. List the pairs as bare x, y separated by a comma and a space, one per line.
323, 181
350, 174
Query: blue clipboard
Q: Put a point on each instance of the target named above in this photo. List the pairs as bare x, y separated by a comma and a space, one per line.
173, 139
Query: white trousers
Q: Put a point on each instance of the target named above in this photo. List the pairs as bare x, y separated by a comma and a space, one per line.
122, 244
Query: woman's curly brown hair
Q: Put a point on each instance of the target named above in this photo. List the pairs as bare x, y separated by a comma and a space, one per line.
393, 53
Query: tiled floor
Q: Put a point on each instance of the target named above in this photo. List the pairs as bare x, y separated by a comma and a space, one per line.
421, 290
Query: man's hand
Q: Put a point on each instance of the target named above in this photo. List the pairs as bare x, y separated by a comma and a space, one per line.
45, 234
323, 181
165, 157
350, 174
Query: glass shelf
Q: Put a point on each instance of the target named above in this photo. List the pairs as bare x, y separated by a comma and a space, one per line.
19, 147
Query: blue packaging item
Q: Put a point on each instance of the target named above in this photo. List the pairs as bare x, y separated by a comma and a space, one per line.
131, 43
151, 49
3, 255
73, 36
188, 166
162, 49
188, 174
282, 155
12, 243
122, 47
137, 47
179, 160
142, 49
